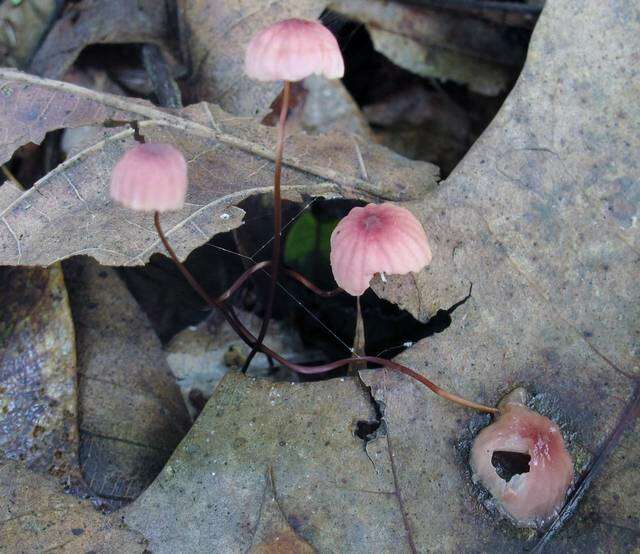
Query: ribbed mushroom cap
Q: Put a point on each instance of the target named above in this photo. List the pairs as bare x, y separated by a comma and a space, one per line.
291, 50
373, 239
150, 177
530, 498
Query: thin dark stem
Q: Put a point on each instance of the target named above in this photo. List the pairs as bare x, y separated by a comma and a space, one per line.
137, 135
251, 340
308, 284
211, 301
287, 271
277, 222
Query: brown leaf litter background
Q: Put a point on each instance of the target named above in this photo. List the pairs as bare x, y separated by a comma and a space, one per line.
539, 221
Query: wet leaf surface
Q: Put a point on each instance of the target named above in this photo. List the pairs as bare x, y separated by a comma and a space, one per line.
131, 412
35, 516
69, 212
37, 371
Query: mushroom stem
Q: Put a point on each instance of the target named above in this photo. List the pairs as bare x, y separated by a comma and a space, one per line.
251, 341
211, 301
287, 271
277, 223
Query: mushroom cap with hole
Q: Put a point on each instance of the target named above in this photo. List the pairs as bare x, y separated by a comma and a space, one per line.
374, 239
532, 498
150, 177
292, 50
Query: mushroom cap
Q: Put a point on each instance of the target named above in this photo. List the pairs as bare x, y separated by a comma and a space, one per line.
534, 497
373, 239
150, 177
291, 50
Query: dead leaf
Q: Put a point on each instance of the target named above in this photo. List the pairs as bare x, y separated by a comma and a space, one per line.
37, 370
333, 493
539, 218
273, 534
320, 105
131, 413
422, 124
22, 28
96, 22
30, 108
435, 43
217, 35
36, 517
68, 212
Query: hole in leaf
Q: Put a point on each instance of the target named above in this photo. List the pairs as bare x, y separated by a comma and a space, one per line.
438, 114
365, 429
31, 162
325, 326
507, 464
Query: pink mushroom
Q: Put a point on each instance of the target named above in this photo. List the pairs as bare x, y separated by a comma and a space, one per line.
535, 493
150, 177
291, 50
288, 50
378, 238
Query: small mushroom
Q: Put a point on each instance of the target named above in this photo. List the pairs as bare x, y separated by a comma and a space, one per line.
292, 50
521, 459
377, 238
150, 177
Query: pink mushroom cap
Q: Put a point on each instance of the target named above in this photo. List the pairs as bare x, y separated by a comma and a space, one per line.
291, 50
532, 498
374, 239
150, 177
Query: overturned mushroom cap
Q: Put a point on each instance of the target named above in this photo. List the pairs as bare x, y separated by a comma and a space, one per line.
150, 177
376, 239
533, 497
292, 50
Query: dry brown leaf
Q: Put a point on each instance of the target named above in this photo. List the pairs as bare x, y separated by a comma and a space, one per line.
35, 516
436, 43
273, 534
22, 28
30, 108
333, 494
69, 212
37, 370
97, 22
539, 217
131, 412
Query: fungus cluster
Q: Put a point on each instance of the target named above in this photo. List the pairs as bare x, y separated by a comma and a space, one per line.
374, 239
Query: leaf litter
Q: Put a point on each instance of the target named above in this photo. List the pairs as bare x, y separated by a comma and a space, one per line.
581, 339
